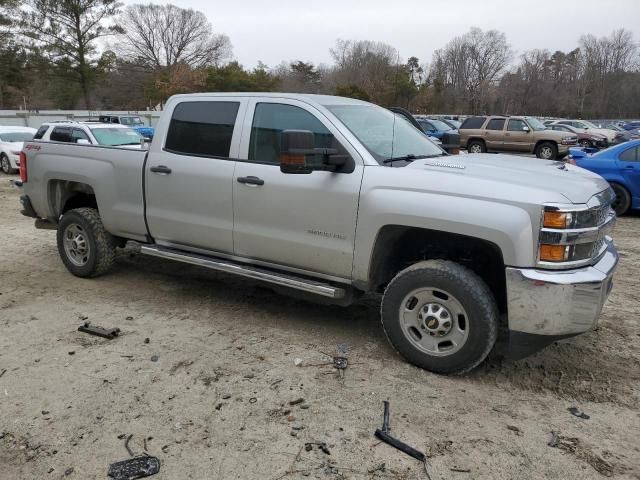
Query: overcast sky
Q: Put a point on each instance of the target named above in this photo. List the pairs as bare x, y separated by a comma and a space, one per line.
275, 30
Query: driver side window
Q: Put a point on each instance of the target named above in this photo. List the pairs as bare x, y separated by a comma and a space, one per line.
516, 125
271, 119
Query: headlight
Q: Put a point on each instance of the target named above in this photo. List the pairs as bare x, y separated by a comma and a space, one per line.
573, 236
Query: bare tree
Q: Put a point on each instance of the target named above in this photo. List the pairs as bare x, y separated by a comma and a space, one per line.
165, 35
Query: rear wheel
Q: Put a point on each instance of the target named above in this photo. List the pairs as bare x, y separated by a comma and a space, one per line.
86, 248
476, 146
440, 316
622, 201
547, 151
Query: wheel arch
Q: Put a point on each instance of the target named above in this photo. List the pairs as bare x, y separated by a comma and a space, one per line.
64, 195
413, 244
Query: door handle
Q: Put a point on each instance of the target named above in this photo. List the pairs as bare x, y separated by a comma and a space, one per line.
162, 169
630, 167
250, 180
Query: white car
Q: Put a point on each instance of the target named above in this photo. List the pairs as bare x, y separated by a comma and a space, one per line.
589, 127
11, 141
90, 133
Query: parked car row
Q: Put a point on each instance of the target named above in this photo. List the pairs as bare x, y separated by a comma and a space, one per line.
110, 134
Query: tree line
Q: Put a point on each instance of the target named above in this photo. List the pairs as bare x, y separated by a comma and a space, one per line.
99, 54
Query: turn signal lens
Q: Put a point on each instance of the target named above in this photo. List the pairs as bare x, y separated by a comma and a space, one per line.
557, 219
554, 253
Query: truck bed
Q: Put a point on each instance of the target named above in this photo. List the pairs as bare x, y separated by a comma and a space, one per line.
114, 173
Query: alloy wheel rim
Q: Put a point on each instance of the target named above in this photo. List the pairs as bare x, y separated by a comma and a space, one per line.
476, 148
76, 244
434, 321
546, 152
5, 164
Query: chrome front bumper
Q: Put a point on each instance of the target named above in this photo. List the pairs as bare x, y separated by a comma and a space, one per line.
559, 303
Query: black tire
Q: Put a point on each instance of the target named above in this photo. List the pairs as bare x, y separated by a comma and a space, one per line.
544, 147
468, 289
5, 164
101, 252
478, 144
622, 202
585, 143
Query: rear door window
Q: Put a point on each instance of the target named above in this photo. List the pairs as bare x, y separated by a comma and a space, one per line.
202, 128
61, 134
495, 124
630, 155
473, 122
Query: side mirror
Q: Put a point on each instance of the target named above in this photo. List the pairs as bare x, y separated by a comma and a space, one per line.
525, 129
83, 141
295, 148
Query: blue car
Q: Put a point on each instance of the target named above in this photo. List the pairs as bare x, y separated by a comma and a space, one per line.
131, 121
633, 127
620, 166
434, 128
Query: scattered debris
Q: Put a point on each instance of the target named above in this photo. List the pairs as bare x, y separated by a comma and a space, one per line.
154, 358
126, 445
461, 470
576, 447
322, 446
68, 471
340, 363
129, 318
577, 413
72, 352
383, 434
4, 370
134, 468
297, 362
147, 340
515, 429
99, 331
296, 401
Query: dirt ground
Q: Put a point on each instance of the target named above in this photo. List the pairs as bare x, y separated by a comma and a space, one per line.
210, 392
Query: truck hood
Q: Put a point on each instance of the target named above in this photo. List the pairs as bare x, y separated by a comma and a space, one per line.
576, 184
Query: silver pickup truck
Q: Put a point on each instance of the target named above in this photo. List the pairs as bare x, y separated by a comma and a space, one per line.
335, 197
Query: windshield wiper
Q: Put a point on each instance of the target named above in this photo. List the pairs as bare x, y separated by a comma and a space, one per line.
410, 158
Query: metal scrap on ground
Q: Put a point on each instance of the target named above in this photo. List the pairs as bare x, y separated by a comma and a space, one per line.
99, 331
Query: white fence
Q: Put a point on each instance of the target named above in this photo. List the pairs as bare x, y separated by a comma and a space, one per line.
21, 118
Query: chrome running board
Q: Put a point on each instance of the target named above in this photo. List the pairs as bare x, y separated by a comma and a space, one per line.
255, 273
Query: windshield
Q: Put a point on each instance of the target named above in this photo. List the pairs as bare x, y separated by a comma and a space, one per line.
536, 124
440, 125
131, 121
113, 137
589, 124
384, 133
16, 137
454, 123
616, 128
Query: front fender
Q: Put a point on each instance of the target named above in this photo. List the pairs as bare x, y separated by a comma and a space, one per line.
510, 227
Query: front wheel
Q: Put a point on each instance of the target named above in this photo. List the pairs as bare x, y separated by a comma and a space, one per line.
5, 164
622, 202
440, 316
547, 151
86, 248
